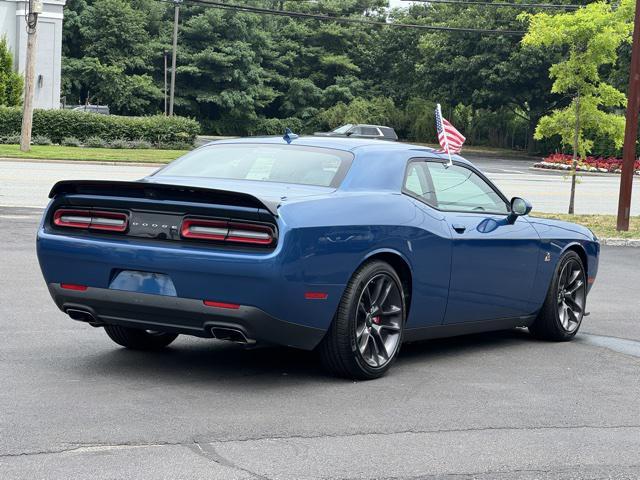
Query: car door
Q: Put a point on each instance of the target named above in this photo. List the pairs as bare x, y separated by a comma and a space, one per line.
494, 262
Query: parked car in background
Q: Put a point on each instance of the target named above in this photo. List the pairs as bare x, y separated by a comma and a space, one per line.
361, 131
351, 246
101, 109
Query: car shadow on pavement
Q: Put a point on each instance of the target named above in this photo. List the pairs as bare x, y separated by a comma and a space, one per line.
433, 350
201, 361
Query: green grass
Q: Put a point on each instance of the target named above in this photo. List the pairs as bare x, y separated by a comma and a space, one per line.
604, 226
56, 152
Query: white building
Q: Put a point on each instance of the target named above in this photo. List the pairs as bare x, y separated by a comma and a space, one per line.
49, 55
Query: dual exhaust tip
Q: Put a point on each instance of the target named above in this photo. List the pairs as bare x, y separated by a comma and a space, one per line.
83, 316
221, 333
231, 334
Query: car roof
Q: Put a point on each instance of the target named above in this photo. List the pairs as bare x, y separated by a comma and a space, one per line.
348, 144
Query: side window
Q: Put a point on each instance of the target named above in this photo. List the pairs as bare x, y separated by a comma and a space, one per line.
460, 189
418, 183
372, 131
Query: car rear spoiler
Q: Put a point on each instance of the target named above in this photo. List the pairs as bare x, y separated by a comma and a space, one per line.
160, 191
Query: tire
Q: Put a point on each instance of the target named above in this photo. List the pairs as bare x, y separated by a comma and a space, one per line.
365, 337
137, 339
561, 314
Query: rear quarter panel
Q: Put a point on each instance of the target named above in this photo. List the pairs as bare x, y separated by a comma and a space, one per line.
328, 239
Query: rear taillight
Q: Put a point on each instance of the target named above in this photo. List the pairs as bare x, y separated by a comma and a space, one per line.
91, 219
228, 231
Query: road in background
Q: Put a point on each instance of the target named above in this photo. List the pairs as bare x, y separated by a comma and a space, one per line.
27, 183
493, 406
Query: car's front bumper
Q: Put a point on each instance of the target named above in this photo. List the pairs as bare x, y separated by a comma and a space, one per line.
181, 315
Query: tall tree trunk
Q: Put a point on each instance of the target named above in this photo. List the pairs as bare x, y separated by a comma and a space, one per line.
534, 118
574, 163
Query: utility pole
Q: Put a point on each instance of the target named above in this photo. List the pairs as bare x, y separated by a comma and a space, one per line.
176, 18
165, 84
31, 17
631, 129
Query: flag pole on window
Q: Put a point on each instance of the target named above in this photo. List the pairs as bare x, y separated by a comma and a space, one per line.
450, 139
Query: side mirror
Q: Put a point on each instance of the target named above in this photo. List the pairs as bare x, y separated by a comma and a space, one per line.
519, 207
350, 132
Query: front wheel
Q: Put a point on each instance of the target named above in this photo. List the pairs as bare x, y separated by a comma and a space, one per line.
137, 339
563, 309
365, 336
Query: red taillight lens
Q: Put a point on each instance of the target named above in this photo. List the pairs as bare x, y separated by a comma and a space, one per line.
73, 286
212, 303
227, 231
91, 219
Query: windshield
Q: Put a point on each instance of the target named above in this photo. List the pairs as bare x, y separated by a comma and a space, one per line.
322, 167
343, 128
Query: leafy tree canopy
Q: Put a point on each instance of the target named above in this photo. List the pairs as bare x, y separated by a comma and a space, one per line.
591, 38
10, 81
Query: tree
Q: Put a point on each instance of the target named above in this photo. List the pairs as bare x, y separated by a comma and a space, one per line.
490, 72
109, 50
591, 37
10, 81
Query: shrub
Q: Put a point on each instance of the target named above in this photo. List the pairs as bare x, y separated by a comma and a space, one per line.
140, 144
10, 139
95, 142
118, 143
41, 140
60, 124
70, 142
276, 126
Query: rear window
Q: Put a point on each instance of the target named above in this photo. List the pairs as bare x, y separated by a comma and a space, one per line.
302, 165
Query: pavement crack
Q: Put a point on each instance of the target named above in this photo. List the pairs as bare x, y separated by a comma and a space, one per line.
89, 447
205, 446
419, 432
208, 451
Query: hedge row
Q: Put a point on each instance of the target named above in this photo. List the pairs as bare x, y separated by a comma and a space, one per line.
60, 124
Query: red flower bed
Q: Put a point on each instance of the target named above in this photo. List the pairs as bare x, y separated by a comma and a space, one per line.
601, 164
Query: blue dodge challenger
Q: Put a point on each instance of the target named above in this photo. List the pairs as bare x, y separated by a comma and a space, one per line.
347, 246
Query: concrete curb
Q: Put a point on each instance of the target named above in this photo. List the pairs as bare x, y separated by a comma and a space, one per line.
620, 242
578, 173
85, 162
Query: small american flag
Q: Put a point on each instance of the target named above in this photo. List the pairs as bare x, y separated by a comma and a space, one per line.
450, 139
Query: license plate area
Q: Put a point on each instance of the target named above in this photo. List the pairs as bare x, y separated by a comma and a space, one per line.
143, 282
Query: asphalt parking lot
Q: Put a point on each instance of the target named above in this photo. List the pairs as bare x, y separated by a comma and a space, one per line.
500, 405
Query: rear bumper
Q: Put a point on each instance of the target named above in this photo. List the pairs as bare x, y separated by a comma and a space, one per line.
182, 315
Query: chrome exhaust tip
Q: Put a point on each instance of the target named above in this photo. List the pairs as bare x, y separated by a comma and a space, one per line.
82, 316
231, 334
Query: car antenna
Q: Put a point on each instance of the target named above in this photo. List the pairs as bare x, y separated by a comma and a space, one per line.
289, 136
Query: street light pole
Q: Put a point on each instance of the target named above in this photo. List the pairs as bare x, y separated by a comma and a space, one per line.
631, 128
176, 18
31, 17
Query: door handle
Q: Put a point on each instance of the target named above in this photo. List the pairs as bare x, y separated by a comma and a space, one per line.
459, 228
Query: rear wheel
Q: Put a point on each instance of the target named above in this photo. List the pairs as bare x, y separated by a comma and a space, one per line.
365, 336
563, 310
137, 339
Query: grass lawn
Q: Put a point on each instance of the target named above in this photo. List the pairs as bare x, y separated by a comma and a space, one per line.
56, 152
604, 226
